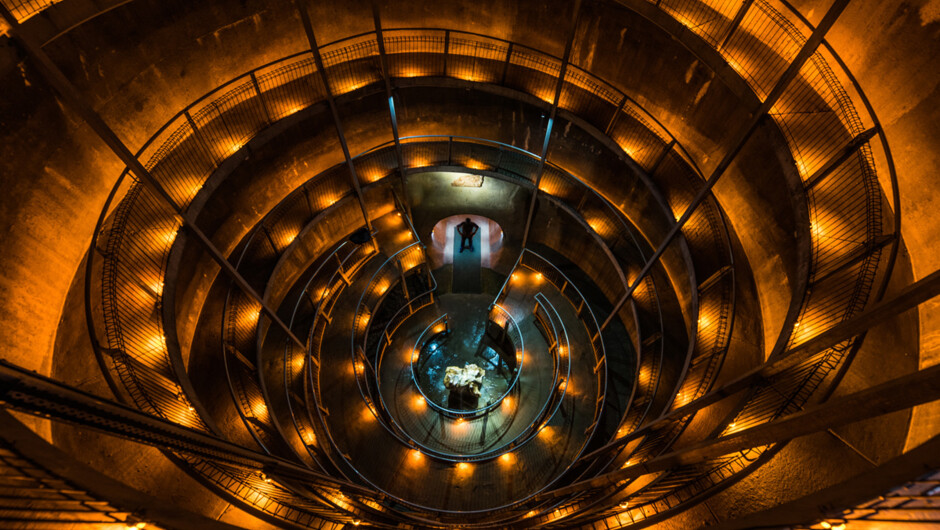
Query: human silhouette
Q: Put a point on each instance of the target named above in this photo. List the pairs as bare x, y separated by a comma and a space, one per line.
467, 230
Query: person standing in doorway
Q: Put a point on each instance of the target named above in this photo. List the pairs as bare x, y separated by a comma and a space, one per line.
467, 230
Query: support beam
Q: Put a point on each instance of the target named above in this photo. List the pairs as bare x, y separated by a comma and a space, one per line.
828, 503
848, 150
551, 120
662, 156
42, 396
318, 59
897, 394
908, 298
74, 101
808, 49
38, 452
736, 22
389, 94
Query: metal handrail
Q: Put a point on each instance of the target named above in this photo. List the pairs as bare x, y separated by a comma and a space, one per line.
469, 414
893, 179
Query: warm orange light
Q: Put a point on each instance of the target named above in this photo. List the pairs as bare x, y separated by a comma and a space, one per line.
289, 238
507, 402
156, 345
507, 459
250, 318
630, 149
326, 202
704, 321
168, 237
416, 455
464, 467
515, 277
234, 147
538, 277
801, 167
802, 331
349, 87
420, 403
259, 409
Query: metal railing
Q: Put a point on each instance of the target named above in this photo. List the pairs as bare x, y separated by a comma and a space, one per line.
553, 275
182, 154
243, 325
511, 329
190, 146
23, 9
818, 120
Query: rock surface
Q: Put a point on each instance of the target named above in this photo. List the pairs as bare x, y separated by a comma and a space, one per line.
468, 379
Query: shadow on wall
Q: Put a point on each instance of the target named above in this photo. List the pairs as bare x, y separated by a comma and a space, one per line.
443, 240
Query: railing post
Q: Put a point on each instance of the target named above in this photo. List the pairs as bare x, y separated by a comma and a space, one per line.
267, 235
446, 49
662, 157
502, 79
200, 139
264, 104
309, 201
736, 22
613, 119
